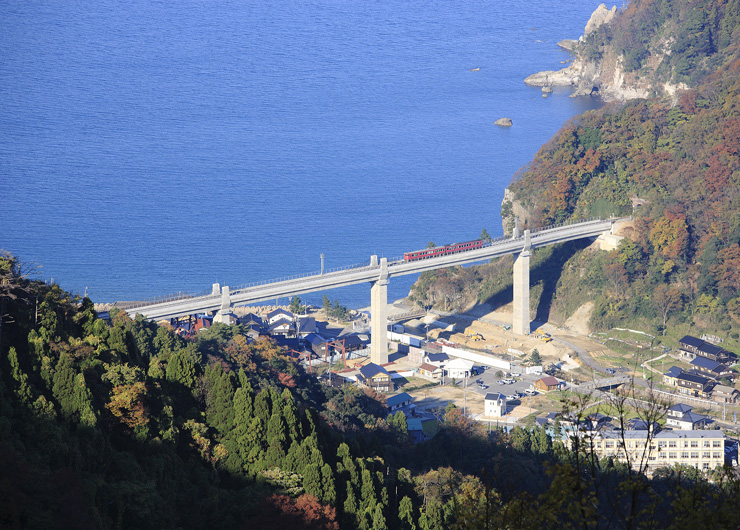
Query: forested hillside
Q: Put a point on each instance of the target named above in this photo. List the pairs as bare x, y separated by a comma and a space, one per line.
123, 424
673, 163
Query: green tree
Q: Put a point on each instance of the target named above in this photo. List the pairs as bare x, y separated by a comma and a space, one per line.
328, 485
326, 304
406, 514
484, 235
181, 367
350, 507
22, 390
219, 400
295, 305
379, 522
312, 481
535, 358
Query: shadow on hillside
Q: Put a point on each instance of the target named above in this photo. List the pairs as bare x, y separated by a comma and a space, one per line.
545, 272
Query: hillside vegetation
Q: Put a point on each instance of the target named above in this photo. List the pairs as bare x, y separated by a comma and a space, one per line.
673, 163
123, 424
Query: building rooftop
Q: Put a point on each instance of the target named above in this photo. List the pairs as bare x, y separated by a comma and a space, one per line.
494, 396
673, 371
691, 341
429, 367
707, 364
372, 369
549, 380
680, 408
397, 399
693, 378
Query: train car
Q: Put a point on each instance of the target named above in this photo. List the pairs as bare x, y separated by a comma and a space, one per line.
443, 250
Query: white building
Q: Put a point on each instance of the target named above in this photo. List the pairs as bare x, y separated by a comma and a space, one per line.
495, 405
459, 368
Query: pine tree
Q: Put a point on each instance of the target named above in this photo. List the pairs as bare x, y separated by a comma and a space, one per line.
181, 368
406, 514
263, 405
368, 493
64, 386
22, 390
544, 442
290, 415
83, 404
330, 491
350, 507
379, 522
431, 518
220, 400
312, 481
276, 439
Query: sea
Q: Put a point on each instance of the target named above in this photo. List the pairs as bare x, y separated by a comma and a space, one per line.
154, 147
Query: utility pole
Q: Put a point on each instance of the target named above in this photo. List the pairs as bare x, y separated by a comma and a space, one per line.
322, 263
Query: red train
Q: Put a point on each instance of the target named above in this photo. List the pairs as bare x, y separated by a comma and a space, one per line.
441, 251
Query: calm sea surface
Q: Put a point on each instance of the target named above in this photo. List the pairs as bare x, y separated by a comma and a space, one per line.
150, 147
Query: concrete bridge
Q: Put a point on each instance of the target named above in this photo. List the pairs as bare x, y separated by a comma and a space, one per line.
378, 273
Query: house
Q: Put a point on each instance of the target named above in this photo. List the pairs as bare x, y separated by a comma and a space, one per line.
548, 383
691, 347
694, 385
725, 394
678, 410
305, 325
437, 359
376, 377
431, 372
202, 322
637, 424
596, 420
252, 322
495, 405
279, 314
415, 429
459, 368
670, 378
282, 327
681, 416
333, 379
715, 353
710, 368
398, 401
316, 344
353, 342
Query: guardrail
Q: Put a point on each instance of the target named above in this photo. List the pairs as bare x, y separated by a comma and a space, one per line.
328, 272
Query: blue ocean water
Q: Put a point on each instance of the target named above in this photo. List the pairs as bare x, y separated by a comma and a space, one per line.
150, 147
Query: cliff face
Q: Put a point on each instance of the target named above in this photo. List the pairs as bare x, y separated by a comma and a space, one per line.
605, 65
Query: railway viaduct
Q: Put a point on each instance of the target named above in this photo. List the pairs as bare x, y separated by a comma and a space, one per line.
378, 273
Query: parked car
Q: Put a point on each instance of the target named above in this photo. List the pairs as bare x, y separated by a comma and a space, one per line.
530, 392
515, 374
609, 371
499, 382
512, 397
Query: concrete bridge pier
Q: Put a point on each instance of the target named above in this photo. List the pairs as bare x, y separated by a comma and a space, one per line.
520, 320
379, 314
222, 315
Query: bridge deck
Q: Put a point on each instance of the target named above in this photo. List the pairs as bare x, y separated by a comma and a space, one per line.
182, 305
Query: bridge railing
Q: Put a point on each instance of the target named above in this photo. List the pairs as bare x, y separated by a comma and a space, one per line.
358, 266
163, 299
318, 274
565, 224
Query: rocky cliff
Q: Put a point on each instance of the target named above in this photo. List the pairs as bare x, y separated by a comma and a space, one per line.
599, 67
